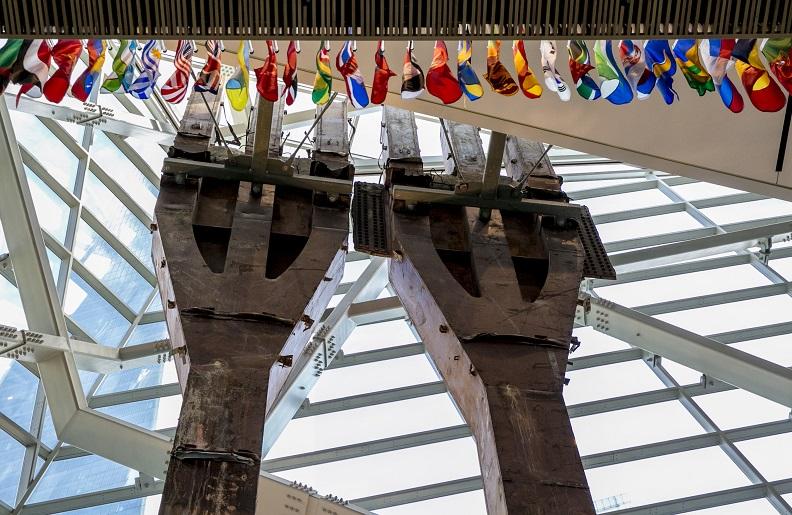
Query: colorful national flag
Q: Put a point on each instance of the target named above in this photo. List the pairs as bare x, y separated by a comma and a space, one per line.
323, 81
347, 66
716, 59
660, 61
82, 87
382, 74
413, 82
237, 85
267, 74
123, 68
762, 90
32, 72
209, 78
497, 75
290, 73
778, 52
175, 88
64, 54
553, 79
440, 82
525, 76
143, 87
686, 52
638, 75
468, 81
614, 86
579, 67
9, 54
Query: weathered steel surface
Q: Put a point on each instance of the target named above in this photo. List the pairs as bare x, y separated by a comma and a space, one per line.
494, 304
244, 278
400, 147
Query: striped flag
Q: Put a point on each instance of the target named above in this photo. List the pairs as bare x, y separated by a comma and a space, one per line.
9, 55
660, 60
525, 76
237, 85
209, 78
84, 84
267, 74
553, 79
686, 52
497, 75
323, 81
716, 59
347, 66
614, 86
64, 54
579, 67
34, 69
143, 87
413, 82
440, 82
123, 68
290, 72
468, 81
175, 88
638, 75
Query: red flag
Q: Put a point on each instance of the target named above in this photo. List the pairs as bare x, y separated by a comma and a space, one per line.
65, 54
439, 80
290, 73
267, 75
382, 73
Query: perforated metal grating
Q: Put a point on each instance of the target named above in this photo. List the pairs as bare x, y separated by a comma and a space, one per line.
597, 264
369, 222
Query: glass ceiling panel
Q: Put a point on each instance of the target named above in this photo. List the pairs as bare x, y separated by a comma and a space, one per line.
609, 381
10, 466
32, 135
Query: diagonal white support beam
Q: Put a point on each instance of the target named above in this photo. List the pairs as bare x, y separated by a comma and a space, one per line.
708, 356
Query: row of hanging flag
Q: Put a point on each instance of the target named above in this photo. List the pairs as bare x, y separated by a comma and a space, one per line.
624, 70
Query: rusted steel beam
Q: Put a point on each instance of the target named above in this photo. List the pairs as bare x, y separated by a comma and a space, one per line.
494, 303
245, 275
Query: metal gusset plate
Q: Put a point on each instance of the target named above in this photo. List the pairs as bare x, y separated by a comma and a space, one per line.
597, 264
370, 232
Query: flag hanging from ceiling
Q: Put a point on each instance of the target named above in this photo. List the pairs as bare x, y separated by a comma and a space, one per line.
267, 74
579, 67
34, 69
468, 81
553, 79
64, 55
82, 87
237, 85
209, 78
762, 90
716, 59
143, 87
323, 81
413, 82
9, 55
382, 74
123, 68
641, 80
497, 75
347, 66
614, 86
661, 62
290, 73
525, 76
686, 52
175, 88
440, 82
778, 52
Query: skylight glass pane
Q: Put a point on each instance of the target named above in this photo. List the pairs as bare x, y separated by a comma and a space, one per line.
117, 218
733, 316
631, 427
766, 208
10, 466
151, 152
594, 342
667, 477
11, 312
783, 266
379, 336
17, 392
94, 314
146, 333
152, 414
738, 408
609, 381
755, 507
777, 349
130, 507
66, 478
573, 187
469, 503
142, 377
367, 136
366, 424
58, 160
121, 169
702, 190
772, 455
392, 471
51, 211
622, 202
648, 226
108, 266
